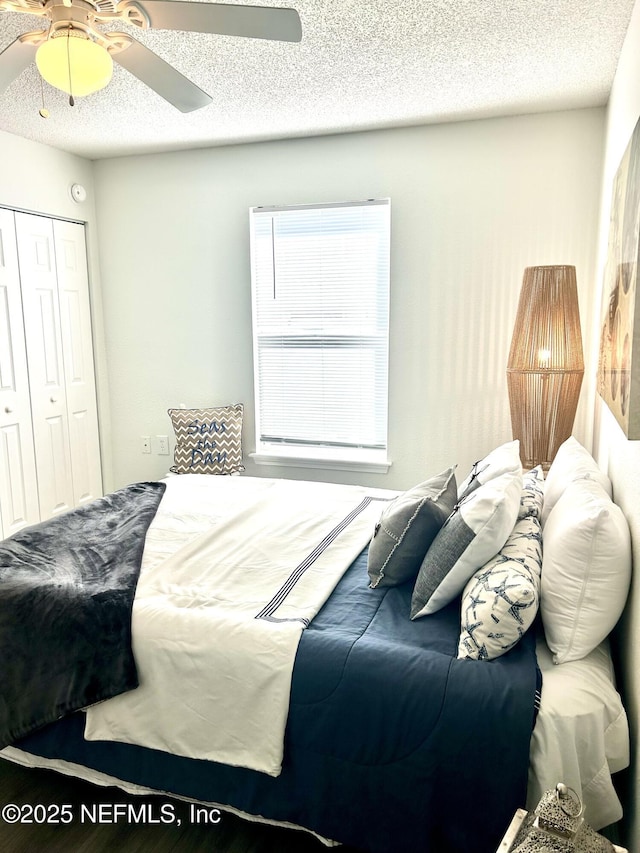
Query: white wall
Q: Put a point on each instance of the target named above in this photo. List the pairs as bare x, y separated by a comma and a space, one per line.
472, 204
37, 178
622, 457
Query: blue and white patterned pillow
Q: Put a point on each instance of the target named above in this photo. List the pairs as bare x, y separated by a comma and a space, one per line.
502, 598
532, 498
501, 460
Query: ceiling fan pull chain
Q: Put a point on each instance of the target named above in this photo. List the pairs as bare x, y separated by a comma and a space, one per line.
43, 111
71, 101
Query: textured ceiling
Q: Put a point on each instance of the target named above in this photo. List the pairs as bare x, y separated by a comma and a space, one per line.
361, 64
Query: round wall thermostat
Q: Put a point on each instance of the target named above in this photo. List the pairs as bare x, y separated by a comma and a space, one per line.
78, 192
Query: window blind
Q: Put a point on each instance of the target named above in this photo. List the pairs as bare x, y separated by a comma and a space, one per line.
320, 280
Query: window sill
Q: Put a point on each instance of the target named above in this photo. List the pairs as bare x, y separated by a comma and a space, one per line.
372, 465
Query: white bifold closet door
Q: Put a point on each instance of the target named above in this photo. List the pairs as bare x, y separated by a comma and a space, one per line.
19, 504
58, 343
77, 355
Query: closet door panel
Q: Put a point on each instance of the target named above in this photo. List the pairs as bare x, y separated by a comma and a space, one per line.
77, 346
18, 495
18, 483
45, 360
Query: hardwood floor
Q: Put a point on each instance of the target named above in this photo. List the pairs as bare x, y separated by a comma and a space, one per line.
119, 831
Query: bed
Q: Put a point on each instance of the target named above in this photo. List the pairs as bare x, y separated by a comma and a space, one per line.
385, 732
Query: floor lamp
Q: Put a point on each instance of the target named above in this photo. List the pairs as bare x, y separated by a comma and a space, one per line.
545, 366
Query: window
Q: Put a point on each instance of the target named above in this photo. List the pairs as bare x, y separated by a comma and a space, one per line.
320, 278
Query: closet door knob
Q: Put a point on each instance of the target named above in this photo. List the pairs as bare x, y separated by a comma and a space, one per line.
54, 399
8, 409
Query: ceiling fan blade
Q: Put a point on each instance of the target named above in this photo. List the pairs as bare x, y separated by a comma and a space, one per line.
161, 77
14, 59
260, 22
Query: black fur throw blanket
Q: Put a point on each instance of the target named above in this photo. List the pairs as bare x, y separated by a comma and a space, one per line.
66, 594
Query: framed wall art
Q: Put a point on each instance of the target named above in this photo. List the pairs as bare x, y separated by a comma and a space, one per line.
619, 357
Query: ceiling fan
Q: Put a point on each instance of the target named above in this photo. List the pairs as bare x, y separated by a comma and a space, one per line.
73, 45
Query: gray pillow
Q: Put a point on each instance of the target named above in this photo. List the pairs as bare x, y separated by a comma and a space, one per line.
407, 527
472, 535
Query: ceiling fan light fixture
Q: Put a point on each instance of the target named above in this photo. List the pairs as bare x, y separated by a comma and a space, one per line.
72, 62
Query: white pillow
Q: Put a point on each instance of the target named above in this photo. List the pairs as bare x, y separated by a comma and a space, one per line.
475, 531
502, 460
572, 462
586, 570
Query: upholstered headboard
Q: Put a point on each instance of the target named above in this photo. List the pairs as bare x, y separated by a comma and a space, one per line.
621, 459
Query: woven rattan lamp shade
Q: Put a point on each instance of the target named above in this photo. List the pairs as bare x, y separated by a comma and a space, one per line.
545, 366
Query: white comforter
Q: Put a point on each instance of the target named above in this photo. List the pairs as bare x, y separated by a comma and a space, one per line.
233, 569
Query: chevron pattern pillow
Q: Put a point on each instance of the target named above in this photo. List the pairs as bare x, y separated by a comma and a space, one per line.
502, 598
208, 441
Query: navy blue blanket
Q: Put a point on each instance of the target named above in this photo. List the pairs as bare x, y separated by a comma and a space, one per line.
66, 592
392, 743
